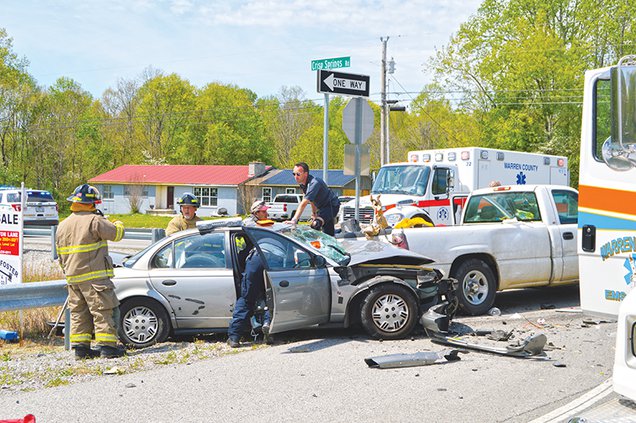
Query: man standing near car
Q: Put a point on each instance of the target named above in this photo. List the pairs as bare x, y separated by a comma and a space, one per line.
82, 244
252, 282
188, 205
324, 202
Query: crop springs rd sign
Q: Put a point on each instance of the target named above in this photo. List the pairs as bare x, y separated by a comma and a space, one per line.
335, 63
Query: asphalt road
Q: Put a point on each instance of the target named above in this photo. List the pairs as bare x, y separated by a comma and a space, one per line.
326, 378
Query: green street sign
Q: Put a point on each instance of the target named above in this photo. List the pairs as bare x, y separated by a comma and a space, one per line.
335, 63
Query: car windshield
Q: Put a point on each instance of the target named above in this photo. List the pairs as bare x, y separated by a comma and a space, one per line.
409, 180
327, 245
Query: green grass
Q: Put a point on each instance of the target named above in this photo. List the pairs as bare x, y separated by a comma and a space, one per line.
140, 220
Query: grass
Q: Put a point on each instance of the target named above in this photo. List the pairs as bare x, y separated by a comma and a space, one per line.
140, 220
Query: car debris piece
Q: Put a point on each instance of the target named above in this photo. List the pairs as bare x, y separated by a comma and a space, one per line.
531, 346
424, 358
436, 325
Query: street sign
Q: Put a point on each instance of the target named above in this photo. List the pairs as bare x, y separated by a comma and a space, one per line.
349, 120
335, 63
343, 83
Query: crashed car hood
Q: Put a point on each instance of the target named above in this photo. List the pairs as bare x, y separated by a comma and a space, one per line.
379, 252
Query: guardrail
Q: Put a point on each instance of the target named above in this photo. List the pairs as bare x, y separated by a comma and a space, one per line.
35, 295
149, 234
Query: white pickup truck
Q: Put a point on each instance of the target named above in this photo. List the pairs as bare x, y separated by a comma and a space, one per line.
284, 206
509, 237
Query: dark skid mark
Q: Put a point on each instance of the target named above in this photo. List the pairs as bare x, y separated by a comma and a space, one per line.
195, 301
176, 297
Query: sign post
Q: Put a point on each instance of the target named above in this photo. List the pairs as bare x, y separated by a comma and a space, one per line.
357, 124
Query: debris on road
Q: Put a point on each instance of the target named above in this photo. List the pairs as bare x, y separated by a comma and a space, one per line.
424, 358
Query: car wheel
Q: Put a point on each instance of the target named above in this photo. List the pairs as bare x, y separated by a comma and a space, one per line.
389, 311
143, 322
477, 287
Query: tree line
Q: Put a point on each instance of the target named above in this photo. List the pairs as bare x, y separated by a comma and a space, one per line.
511, 77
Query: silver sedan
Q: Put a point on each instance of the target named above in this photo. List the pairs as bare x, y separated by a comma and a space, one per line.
189, 282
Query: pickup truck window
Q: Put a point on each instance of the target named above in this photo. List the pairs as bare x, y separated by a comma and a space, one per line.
501, 206
286, 199
567, 206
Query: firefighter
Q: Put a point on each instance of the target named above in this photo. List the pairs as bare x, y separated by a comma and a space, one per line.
252, 282
188, 218
82, 246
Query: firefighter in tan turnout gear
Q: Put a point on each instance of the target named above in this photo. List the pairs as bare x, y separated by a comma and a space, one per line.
188, 204
82, 246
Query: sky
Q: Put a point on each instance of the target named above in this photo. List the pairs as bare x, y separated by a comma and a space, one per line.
261, 45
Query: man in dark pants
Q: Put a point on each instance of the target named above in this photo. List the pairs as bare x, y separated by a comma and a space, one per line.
324, 202
252, 289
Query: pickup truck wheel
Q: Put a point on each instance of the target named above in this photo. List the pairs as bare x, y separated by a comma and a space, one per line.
389, 311
477, 286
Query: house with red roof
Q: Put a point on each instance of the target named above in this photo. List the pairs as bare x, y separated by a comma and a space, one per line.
142, 188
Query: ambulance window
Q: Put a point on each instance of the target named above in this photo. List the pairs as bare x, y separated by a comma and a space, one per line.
440, 181
602, 115
567, 206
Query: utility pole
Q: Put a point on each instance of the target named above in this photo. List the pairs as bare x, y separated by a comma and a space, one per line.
383, 105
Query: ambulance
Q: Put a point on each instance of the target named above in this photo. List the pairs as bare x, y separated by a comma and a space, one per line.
607, 209
434, 184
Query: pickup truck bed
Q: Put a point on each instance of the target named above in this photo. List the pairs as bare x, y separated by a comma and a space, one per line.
284, 206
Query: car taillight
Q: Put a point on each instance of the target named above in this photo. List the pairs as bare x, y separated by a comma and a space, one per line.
16, 207
284, 207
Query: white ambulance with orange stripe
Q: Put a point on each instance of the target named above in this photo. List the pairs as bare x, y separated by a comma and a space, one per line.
434, 184
607, 209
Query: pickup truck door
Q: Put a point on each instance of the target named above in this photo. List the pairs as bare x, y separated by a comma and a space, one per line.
298, 289
564, 234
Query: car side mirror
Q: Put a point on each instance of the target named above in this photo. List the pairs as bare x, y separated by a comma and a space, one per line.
320, 261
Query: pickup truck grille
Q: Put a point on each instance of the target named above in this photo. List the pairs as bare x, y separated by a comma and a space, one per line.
366, 214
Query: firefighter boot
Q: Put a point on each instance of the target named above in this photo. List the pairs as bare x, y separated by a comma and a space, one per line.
84, 352
111, 352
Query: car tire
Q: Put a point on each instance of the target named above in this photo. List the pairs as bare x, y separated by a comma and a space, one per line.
143, 322
477, 286
389, 311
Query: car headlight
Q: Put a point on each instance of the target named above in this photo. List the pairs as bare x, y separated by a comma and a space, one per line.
427, 276
394, 218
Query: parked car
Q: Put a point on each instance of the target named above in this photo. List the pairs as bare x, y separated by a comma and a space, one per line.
40, 208
188, 283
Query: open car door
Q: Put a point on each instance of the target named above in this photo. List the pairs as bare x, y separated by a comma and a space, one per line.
298, 286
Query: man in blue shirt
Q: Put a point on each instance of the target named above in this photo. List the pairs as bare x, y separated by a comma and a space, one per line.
324, 202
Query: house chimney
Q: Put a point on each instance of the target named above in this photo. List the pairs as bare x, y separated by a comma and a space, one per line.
256, 169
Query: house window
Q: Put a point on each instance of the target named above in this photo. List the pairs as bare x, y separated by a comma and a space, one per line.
107, 192
267, 195
208, 196
136, 190
290, 190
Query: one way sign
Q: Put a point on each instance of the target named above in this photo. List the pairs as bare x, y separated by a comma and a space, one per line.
343, 83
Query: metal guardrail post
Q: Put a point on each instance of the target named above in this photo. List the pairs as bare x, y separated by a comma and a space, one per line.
157, 234
67, 329
53, 246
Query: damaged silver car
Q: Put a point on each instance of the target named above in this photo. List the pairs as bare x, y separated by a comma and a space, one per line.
188, 283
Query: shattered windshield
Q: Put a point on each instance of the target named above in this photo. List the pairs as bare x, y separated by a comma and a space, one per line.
327, 245
408, 180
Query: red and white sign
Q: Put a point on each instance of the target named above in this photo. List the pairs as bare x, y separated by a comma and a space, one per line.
11, 237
